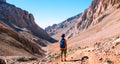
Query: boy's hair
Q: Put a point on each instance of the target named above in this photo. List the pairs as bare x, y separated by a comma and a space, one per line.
63, 35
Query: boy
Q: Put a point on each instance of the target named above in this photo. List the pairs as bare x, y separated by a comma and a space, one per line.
63, 47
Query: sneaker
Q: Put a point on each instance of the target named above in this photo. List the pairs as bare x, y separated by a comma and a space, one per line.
65, 60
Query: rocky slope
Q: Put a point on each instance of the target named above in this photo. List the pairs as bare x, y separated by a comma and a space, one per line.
21, 39
19, 19
104, 51
97, 35
100, 43
90, 17
14, 44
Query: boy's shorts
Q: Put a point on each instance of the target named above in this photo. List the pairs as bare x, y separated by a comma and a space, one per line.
63, 51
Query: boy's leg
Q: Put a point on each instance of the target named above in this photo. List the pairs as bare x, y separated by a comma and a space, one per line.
65, 52
61, 55
65, 56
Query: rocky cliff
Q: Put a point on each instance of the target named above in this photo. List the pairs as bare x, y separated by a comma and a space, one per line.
18, 18
13, 43
97, 11
19, 34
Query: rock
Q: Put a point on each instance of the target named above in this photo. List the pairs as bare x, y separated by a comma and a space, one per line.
84, 58
101, 59
2, 61
108, 61
23, 59
117, 43
72, 58
32, 58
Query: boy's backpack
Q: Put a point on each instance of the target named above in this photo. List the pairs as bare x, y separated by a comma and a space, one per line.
62, 43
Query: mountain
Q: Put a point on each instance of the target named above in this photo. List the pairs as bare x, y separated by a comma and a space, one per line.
13, 43
95, 34
94, 14
21, 39
19, 19
14, 46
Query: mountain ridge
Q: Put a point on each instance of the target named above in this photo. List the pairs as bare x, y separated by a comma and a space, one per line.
95, 35
90, 17
20, 36
22, 19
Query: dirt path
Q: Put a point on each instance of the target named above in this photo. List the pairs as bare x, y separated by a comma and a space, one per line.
73, 57
94, 57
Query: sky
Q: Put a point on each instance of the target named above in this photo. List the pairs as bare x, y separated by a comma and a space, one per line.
49, 12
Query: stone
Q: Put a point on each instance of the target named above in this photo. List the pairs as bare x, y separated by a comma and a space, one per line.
2, 61
84, 58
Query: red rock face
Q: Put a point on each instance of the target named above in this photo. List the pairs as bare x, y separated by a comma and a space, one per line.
20, 18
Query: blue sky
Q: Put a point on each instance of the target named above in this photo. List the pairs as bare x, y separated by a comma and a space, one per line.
49, 12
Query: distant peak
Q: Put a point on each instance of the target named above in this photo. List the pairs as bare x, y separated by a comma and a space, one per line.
2, 0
